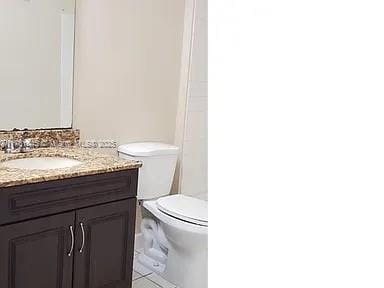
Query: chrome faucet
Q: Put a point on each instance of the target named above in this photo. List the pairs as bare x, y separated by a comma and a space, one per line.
10, 146
26, 146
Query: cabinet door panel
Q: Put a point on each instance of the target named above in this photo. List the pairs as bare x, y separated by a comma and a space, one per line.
106, 260
34, 253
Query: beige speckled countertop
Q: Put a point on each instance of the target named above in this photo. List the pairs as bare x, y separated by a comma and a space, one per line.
93, 163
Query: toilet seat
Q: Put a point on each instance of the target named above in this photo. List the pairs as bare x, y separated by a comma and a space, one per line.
184, 208
151, 206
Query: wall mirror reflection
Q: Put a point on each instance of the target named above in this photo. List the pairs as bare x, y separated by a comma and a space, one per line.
36, 57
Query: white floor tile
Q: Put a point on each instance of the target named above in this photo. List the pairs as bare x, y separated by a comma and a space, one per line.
144, 283
160, 281
136, 275
141, 269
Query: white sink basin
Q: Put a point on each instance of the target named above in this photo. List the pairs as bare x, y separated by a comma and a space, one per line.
41, 163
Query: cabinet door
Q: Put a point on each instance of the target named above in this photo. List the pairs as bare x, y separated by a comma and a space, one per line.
107, 242
34, 254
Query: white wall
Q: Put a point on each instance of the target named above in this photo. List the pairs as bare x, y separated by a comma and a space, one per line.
30, 57
127, 66
194, 170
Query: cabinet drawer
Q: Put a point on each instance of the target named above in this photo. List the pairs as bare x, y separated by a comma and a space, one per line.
34, 200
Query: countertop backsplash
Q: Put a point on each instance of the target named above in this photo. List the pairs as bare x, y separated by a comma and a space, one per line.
43, 138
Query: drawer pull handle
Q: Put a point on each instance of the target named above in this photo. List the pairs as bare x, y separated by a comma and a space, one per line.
72, 240
83, 235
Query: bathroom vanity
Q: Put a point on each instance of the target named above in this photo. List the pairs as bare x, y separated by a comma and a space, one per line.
71, 227
67, 215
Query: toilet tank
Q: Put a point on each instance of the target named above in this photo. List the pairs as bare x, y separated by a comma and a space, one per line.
159, 164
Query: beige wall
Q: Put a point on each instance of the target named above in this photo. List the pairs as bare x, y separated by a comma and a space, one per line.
127, 70
127, 66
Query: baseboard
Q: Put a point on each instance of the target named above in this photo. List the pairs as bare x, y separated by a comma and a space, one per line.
139, 241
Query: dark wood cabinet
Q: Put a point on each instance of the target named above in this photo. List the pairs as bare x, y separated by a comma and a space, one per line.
90, 245
34, 253
106, 248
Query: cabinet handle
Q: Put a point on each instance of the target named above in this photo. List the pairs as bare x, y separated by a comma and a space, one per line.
83, 236
72, 240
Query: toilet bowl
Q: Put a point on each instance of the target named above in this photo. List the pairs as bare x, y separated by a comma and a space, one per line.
188, 242
176, 230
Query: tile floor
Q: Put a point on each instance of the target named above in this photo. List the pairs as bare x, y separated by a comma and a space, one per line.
145, 278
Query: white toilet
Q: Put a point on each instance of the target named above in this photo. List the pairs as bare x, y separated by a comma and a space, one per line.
176, 229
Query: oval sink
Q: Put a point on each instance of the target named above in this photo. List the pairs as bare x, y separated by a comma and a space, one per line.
41, 163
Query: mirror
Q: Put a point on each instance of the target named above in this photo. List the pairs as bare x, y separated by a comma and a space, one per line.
36, 63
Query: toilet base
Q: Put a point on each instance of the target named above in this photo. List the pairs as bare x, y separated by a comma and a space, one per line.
187, 250
151, 264
182, 270
187, 271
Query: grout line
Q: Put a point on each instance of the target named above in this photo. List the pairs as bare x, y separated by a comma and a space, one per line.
155, 282
141, 276
174, 286
144, 275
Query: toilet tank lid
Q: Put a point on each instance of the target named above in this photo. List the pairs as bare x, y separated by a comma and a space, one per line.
148, 149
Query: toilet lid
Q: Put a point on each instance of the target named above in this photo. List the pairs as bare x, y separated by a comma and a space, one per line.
185, 208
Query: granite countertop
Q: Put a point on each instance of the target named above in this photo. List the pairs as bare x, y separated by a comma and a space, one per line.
92, 163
